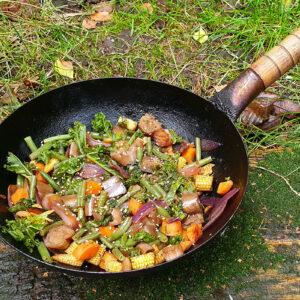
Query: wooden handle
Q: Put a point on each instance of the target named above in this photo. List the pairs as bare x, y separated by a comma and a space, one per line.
239, 93
279, 59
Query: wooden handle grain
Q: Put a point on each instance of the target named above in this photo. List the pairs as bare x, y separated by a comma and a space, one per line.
279, 59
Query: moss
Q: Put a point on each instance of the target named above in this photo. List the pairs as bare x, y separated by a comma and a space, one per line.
234, 254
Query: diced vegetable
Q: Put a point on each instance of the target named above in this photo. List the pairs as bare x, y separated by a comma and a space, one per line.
19, 194
126, 264
50, 165
134, 205
189, 155
86, 250
194, 232
107, 230
127, 123
171, 229
106, 258
143, 261
224, 187
203, 183
93, 188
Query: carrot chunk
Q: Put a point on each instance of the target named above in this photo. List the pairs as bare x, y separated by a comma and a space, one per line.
189, 155
106, 230
86, 250
171, 229
93, 188
40, 167
194, 232
224, 187
134, 205
19, 194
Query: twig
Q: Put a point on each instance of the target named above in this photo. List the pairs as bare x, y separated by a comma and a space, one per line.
281, 176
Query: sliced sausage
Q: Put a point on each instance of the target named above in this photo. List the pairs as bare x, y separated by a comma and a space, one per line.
162, 138
172, 252
149, 162
191, 203
148, 124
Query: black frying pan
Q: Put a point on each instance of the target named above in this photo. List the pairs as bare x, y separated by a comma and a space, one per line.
188, 114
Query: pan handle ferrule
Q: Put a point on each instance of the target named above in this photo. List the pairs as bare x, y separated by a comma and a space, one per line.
261, 74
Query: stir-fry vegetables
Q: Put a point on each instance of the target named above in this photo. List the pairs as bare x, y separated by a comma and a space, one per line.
121, 197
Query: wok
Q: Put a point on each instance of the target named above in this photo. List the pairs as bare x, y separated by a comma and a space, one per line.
188, 114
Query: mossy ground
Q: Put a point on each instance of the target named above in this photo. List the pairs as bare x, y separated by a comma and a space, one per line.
234, 255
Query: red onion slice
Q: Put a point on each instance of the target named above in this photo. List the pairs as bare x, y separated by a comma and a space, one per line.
114, 187
37, 197
146, 210
90, 171
208, 145
219, 208
209, 200
121, 170
92, 142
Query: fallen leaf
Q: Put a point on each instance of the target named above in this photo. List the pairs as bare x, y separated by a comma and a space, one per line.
31, 83
200, 35
267, 95
270, 124
286, 107
148, 7
103, 6
9, 98
257, 112
64, 68
88, 23
20, 8
101, 16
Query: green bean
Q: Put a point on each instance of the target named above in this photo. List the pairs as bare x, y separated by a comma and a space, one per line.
96, 136
79, 233
32, 187
58, 155
160, 190
121, 230
61, 148
20, 180
160, 154
40, 150
57, 138
161, 211
205, 161
127, 196
50, 181
149, 146
30, 143
88, 237
80, 200
139, 155
163, 238
102, 199
198, 149
133, 137
46, 229
118, 254
130, 243
45, 255
104, 166
150, 188
105, 241
155, 242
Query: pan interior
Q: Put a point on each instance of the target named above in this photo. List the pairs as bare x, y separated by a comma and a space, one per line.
188, 114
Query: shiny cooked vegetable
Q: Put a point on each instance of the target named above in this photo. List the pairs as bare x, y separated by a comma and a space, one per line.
120, 197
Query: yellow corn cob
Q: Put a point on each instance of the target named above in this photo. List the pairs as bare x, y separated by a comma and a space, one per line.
71, 248
181, 163
125, 122
203, 182
155, 248
113, 266
207, 169
50, 165
159, 257
68, 259
97, 258
143, 261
